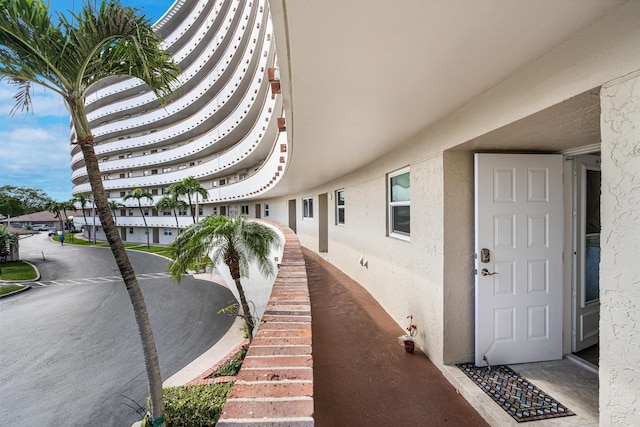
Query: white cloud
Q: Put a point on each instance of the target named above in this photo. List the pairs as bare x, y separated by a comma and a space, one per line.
37, 157
27, 150
45, 103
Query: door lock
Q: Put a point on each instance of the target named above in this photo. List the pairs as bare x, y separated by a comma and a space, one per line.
485, 255
485, 272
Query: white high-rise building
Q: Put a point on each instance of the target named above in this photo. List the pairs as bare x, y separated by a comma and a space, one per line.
224, 127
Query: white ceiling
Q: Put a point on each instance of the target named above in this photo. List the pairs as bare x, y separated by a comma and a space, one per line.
360, 75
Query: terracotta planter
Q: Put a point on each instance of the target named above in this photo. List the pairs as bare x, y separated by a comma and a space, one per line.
409, 346
408, 342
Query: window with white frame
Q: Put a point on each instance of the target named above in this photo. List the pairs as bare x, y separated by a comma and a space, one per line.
399, 184
340, 207
182, 211
307, 207
244, 209
266, 209
168, 232
215, 210
130, 230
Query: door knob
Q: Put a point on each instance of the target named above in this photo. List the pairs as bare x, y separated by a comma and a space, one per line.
485, 272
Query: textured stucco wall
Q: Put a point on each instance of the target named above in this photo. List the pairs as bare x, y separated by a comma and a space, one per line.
459, 280
405, 277
427, 246
430, 276
619, 268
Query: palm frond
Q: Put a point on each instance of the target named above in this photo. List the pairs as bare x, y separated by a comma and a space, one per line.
73, 55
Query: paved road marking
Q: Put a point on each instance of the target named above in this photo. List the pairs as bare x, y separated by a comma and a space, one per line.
105, 279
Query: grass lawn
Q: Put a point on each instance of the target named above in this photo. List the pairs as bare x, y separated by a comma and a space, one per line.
73, 239
17, 270
10, 288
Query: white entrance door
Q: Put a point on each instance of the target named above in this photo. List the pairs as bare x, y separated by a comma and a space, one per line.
519, 225
587, 252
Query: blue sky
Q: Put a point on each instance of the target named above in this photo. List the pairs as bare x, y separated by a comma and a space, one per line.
34, 147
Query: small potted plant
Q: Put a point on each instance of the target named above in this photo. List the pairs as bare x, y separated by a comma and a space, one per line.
408, 340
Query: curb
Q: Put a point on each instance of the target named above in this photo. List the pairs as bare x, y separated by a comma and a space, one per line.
17, 282
26, 288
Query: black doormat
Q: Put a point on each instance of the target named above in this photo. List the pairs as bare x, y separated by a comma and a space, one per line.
521, 399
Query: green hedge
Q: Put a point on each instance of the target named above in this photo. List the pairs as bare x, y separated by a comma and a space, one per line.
195, 406
232, 365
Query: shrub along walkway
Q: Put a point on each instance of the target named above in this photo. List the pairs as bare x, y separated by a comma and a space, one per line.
361, 375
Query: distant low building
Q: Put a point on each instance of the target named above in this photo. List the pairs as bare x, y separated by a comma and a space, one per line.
42, 218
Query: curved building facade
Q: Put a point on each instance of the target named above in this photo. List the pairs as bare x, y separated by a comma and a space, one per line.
224, 126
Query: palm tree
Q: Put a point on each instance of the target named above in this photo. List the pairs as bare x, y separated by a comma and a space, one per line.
234, 241
139, 194
65, 206
172, 203
113, 207
70, 58
54, 207
188, 187
84, 200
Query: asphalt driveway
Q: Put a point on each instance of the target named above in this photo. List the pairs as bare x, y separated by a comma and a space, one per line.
71, 353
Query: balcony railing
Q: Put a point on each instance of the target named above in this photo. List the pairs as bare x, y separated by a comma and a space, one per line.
196, 144
262, 133
129, 84
263, 180
217, 45
174, 109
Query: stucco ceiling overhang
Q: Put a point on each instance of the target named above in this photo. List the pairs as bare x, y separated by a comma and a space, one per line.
360, 75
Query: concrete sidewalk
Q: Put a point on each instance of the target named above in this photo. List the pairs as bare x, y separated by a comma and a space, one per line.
220, 350
362, 375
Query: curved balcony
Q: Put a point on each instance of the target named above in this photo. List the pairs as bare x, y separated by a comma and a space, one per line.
162, 221
181, 107
230, 129
173, 10
265, 178
251, 150
132, 86
184, 21
213, 135
146, 99
197, 149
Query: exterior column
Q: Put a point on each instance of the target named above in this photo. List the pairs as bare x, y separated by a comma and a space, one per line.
620, 253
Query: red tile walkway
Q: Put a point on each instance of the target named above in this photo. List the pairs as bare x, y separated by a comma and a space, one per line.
362, 376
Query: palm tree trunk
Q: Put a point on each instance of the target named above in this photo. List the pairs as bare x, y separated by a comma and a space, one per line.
126, 270
175, 214
192, 209
146, 229
234, 269
86, 226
